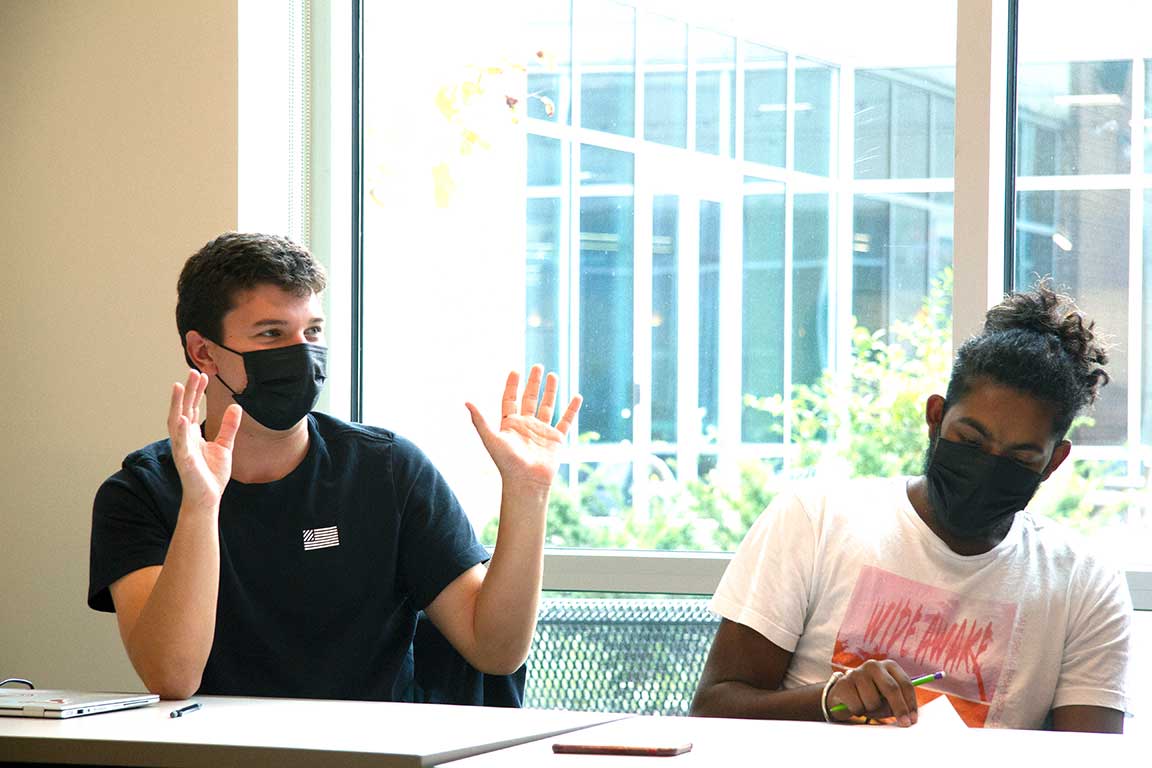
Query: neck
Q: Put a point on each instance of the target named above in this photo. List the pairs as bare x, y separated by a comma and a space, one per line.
262, 455
917, 490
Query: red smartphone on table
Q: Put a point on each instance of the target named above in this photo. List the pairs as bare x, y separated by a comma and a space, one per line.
639, 750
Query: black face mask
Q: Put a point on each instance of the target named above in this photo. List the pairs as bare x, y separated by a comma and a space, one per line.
973, 492
283, 383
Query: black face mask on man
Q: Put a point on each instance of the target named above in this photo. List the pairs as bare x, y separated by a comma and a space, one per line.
283, 383
973, 492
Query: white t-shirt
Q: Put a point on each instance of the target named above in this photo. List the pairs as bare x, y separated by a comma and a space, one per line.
838, 576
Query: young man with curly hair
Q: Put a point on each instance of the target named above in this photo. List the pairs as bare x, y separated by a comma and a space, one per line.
840, 596
268, 550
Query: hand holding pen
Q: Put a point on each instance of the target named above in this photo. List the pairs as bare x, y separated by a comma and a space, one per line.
876, 689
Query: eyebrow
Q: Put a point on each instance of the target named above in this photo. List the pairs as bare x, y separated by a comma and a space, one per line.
272, 322
976, 425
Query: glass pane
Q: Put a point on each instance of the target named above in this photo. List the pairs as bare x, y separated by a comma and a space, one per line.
542, 324
1083, 70
1075, 116
708, 359
715, 56
1147, 116
814, 116
665, 80
549, 30
873, 126
763, 348
1077, 245
1146, 331
665, 315
607, 34
765, 96
902, 247
810, 262
606, 277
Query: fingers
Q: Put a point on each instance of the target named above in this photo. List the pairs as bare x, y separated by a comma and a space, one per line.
569, 414
480, 424
229, 425
531, 391
185, 401
508, 401
548, 402
878, 689
174, 408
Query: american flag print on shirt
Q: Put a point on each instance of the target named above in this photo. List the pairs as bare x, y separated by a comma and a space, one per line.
321, 538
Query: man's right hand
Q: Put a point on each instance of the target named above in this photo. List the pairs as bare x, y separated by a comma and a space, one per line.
204, 466
875, 689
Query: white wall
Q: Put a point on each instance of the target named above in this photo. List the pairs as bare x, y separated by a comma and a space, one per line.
117, 160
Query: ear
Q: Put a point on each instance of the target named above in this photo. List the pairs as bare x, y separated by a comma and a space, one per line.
934, 414
200, 352
1059, 453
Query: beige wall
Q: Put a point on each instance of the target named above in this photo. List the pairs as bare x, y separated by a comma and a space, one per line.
117, 159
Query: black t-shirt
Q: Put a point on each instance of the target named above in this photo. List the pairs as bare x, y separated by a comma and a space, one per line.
321, 572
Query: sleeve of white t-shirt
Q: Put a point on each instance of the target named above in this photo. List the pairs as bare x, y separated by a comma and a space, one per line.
767, 584
1094, 668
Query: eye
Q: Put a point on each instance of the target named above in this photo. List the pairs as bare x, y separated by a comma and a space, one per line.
315, 330
271, 333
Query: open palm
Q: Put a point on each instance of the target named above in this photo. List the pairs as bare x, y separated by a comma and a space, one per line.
204, 466
526, 447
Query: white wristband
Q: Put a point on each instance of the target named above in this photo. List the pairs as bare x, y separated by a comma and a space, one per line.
824, 696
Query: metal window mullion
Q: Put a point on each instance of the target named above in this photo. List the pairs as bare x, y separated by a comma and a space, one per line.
642, 208
689, 435
789, 240
979, 209
1136, 308
690, 85
845, 239
566, 289
730, 417
638, 66
738, 98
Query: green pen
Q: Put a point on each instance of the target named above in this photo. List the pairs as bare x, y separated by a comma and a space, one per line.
917, 681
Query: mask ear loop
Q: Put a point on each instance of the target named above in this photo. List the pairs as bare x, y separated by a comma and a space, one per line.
218, 378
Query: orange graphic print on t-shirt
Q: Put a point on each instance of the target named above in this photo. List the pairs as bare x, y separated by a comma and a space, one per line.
927, 629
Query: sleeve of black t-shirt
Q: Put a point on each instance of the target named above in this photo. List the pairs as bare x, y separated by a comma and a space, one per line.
128, 533
437, 542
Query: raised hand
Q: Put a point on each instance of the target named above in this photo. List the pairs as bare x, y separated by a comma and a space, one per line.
525, 447
204, 466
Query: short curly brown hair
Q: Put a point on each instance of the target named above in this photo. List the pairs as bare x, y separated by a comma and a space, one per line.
235, 262
1040, 343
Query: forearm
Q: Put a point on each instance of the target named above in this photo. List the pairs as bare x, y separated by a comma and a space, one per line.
737, 699
507, 602
172, 637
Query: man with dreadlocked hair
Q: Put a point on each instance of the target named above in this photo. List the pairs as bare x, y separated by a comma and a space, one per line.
840, 596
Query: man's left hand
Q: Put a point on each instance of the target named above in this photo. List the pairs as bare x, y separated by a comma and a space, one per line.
526, 446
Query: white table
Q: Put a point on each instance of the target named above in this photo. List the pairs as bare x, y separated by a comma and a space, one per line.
719, 743
282, 732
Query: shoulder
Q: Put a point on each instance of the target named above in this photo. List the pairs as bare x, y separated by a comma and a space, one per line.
357, 442
1064, 551
830, 503
150, 466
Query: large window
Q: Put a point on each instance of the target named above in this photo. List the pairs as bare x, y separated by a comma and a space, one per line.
1081, 207
731, 229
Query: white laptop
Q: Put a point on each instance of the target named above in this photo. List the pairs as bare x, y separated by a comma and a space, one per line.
20, 702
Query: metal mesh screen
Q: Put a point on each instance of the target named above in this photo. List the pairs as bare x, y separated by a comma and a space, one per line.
641, 656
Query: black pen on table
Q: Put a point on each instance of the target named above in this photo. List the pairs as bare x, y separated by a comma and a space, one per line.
185, 710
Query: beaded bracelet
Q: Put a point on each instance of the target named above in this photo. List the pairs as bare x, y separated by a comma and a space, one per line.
824, 696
